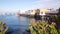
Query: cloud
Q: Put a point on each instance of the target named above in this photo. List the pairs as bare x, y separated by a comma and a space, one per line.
47, 0
44, 0
39, 1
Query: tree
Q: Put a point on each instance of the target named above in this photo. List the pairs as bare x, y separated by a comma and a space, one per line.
59, 11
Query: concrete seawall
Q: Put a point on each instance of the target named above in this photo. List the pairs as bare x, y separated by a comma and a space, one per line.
29, 16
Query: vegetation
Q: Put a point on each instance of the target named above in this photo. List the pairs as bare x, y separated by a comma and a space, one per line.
45, 27
3, 27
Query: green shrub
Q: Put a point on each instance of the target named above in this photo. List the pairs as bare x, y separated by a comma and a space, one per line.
43, 28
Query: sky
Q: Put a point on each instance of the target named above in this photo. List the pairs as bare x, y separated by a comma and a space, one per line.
23, 5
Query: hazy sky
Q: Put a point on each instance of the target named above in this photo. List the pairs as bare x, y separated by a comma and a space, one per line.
12, 5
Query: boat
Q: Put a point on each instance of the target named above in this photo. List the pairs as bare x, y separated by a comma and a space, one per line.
3, 27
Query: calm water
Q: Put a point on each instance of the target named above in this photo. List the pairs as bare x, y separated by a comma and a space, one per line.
17, 25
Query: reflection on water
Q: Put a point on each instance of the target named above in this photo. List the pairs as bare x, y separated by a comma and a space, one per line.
17, 25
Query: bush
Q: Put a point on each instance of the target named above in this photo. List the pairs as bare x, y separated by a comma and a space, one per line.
43, 28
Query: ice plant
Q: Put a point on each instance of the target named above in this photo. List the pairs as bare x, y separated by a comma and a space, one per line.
43, 28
